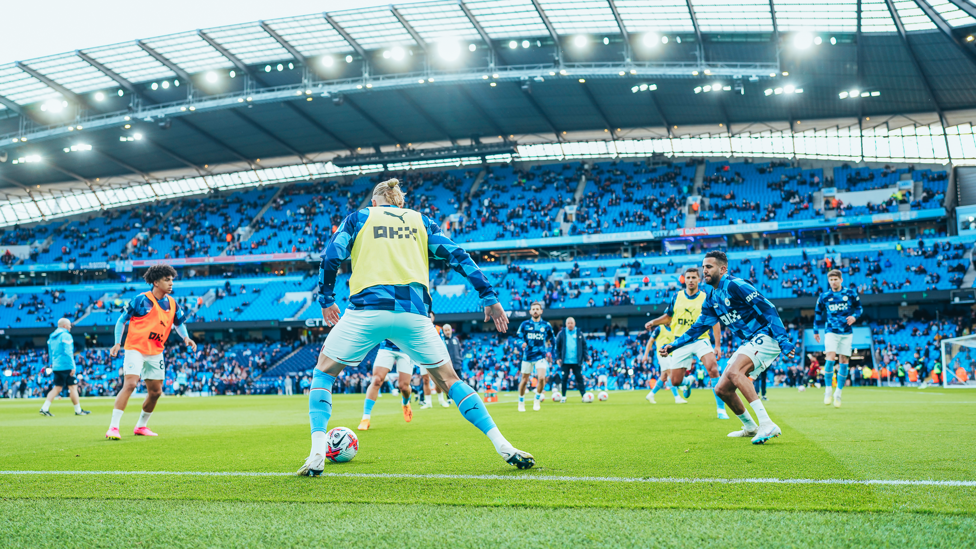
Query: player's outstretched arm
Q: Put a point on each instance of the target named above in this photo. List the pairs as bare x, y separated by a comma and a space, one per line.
337, 251
662, 320
442, 247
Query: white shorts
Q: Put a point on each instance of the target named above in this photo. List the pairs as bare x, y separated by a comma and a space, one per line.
681, 358
664, 362
602, 380
762, 350
393, 359
838, 343
358, 331
535, 366
135, 363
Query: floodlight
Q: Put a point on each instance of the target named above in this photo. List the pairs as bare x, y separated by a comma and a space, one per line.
802, 40
211, 77
472, 47
328, 61
99, 96
165, 84
449, 50
348, 59
580, 41
526, 44
650, 39
513, 44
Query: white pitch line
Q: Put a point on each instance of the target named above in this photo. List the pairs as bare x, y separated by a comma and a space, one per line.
522, 477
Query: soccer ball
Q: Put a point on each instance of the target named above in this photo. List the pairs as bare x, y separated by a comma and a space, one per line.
342, 445
588, 397
556, 397
602, 396
802, 388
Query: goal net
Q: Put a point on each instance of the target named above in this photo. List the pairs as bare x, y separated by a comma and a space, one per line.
959, 361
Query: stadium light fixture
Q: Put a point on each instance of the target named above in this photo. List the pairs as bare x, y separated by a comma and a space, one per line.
154, 86
165, 84
580, 41
54, 106
472, 47
817, 40
267, 68
802, 40
854, 93
78, 148
397, 53
121, 93
526, 44
211, 77
280, 67
606, 41
29, 159
698, 89
348, 59
232, 74
777, 91
649, 39
788, 88
99, 96
327, 61
137, 136
664, 39
513, 44
291, 66
833, 41
970, 38
386, 54
844, 95
449, 50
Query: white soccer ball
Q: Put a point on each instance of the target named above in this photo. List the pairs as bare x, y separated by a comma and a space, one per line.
556, 397
588, 397
802, 388
602, 396
342, 445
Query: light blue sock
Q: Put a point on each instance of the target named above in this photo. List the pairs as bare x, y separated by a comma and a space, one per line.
320, 401
829, 372
404, 399
368, 406
521, 398
658, 386
674, 390
538, 396
841, 376
470, 406
713, 382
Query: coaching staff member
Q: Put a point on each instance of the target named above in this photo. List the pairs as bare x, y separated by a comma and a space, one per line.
570, 355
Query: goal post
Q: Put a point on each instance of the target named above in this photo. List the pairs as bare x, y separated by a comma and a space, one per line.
959, 362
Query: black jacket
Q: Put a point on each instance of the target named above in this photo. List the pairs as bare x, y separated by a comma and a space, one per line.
454, 351
580, 346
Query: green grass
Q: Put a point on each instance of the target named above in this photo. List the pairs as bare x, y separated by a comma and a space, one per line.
903, 434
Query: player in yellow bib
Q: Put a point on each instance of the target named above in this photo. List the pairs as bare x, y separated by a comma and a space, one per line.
682, 312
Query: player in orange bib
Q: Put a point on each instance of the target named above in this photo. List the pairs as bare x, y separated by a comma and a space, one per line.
151, 316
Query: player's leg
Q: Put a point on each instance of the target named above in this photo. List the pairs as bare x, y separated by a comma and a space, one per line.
750, 361
541, 369
676, 375
425, 394
154, 390
55, 391
405, 369
420, 340
73, 395
843, 364
830, 344
356, 333
373, 392
565, 382
711, 366
129, 383
526, 374
658, 385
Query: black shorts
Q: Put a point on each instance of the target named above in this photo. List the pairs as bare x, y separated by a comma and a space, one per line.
63, 378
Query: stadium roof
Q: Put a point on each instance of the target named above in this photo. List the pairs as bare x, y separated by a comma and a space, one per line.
457, 71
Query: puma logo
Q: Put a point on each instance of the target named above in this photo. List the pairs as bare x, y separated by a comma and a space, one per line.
400, 217
161, 323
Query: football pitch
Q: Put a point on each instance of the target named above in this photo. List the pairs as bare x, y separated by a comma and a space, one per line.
893, 467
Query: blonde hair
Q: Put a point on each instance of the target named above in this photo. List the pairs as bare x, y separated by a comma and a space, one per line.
389, 191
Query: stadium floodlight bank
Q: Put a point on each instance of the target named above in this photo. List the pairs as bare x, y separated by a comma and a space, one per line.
958, 351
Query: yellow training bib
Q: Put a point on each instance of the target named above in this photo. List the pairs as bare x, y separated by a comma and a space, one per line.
390, 249
686, 312
664, 337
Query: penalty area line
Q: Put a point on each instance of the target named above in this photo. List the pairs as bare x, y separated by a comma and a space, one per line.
523, 477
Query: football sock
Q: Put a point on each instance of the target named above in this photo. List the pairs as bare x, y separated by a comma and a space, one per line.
46, 406
422, 399
473, 410
658, 386
522, 399
713, 382
828, 371
841, 376
320, 402
747, 423
443, 400
537, 396
319, 439
116, 418
761, 415
674, 390
78, 408
404, 400
368, 407
143, 419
